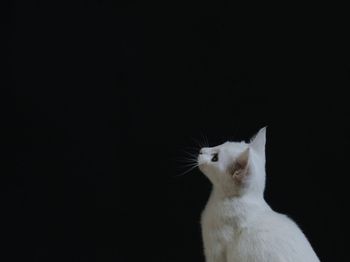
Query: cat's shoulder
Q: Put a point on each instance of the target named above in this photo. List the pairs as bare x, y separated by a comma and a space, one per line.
272, 221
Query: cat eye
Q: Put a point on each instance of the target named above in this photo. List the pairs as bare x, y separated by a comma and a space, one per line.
215, 157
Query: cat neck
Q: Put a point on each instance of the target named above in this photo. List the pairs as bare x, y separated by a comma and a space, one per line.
253, 196
242, 206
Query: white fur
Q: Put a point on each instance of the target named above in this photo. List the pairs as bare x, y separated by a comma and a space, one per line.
237, 224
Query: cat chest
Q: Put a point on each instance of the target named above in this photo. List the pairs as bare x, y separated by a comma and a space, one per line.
218, 226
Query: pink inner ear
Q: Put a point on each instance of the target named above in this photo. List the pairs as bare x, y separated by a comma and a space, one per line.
240, 175
242, 160
241, 166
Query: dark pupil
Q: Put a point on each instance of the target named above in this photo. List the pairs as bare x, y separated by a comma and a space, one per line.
215, 158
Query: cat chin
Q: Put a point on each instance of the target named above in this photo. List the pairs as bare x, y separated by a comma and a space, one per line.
206, 170
203, 167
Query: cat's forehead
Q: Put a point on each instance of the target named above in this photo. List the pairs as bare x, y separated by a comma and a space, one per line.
232, 146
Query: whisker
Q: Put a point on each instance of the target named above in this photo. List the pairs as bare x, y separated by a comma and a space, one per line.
187, 162
202, 137
192, 148
187, 171
187, 158
190, 155
207, 140
193, 151
188, 152
199, 143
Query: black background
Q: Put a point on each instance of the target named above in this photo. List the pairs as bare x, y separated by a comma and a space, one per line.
109, 95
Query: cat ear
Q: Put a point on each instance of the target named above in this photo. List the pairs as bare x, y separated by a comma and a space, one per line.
240, 166
259, 140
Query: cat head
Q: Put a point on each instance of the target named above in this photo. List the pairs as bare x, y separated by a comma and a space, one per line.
236, 168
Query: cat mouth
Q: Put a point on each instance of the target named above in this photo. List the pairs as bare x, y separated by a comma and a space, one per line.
202, 161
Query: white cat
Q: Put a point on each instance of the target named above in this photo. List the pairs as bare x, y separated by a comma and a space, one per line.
237, 224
